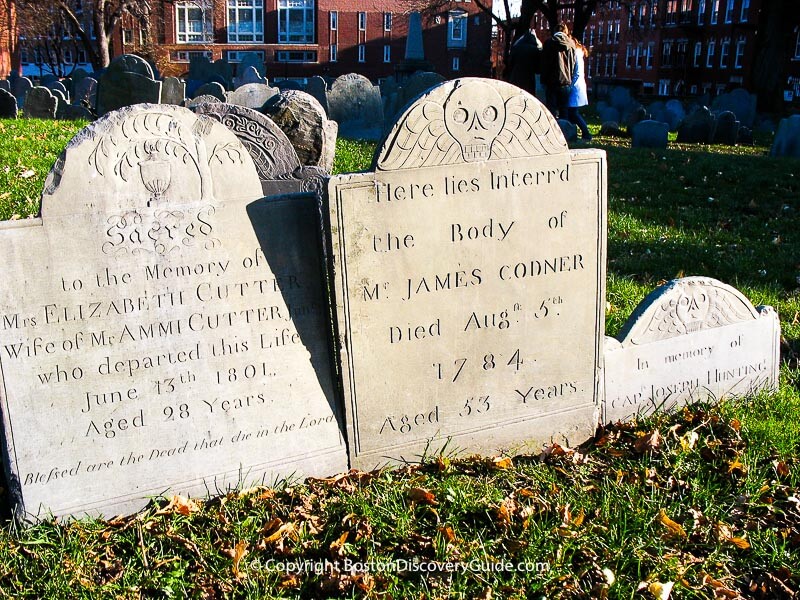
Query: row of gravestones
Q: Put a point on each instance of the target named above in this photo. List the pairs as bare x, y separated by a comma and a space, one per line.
188, 333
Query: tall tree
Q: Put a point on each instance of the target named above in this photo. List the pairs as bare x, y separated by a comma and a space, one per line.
774, 45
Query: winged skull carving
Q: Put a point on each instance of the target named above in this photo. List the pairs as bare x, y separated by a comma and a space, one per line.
473, 123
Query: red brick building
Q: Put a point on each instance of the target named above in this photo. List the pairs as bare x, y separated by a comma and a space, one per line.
8, 36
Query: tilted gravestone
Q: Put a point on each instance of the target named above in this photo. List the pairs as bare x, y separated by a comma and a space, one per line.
40, 103
8, 105
127, 80
787, 138
649, 134
251, 95
303, 121
356, 105
173, 91
692, 339
161, 324
472, 262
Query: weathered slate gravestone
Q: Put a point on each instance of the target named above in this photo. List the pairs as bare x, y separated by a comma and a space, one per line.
127, 80
85, 92
726, 130
204, 99
69, 112
8, 105
356, 105
692, 339
676, 114
249, 75
787, 138
649, 134
20, 88
160, 324
5, 84
609, 113
251, 95
740, 102
40, 103
211, 89
472, 261
317, 87
173, 91
697, 127
56, 85
304, 122
568, 129
62, 99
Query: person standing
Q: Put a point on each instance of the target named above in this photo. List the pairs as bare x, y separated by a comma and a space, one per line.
524, 62
558, 66
578, 96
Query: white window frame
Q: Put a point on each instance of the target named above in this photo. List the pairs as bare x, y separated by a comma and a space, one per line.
797, 45
729, 11
649, 56
188, 36
714, 11
456, 63
701, 12
666, 53
711, 51
663, 87
457, 21
628, 54
387, 21
362, 53
242, 30
334, 53
744, 12
724, 53
362, 21
334, 20
306, 34
738, 59
387, 53
127, 37
698, 53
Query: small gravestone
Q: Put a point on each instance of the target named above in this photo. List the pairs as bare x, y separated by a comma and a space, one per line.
568, 129
303, 121
20, 87
726, 130
163, 326
251, 95
249, 75
317, 87
253, 60
270, 149
40, 103
127, 80
62, 99
355, 104
195, 102
650, 134
692, 339
487, 307
130, 63
85, 92
611, 129
57, 86
740, 102
284, 85
621, 99
634, 115
76, 76
697, 127
72, 112
609, 113
211, 89
787, 138
416, 85
8, 105
676, 114
173, 91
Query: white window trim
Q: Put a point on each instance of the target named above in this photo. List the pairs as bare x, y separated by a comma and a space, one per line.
362, 21
461, 18
334, 20
714, 11
729, 11
711, 51
740, 47
698, 54
744, 12
206, 35
724, 54
234, 34
334, 53
309, 26
362, 53
701, 12
387, 21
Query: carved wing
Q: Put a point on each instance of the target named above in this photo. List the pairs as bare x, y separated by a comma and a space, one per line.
529, 130
420, 140
726, 309
664, 323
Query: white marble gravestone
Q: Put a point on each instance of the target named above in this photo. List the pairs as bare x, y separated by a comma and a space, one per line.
469, 273
161, 326
691, 339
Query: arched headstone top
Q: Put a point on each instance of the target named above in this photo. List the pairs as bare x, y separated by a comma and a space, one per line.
470, 120
130, 63
684, 306
149, 155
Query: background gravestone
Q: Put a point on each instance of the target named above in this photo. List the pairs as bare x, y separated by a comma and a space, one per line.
472, 261
355, 104
317, 87
56, 85
173, 91
740, 102
40, 103
650, 134
85, 92
251, 95
127, 80
787, 138
8, 105
692, 339
726, 130
249, 75
204, 99
303, 121
174, 321
211, 89
5, 84
20, 87
697, 127
73, 112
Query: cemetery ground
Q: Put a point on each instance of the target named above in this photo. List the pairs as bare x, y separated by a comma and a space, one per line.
702, 503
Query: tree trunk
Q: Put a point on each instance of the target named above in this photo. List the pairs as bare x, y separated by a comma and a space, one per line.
773, 45
103, 57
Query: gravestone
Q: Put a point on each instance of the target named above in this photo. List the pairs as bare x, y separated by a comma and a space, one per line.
270, 149
40, 103
85, 93
676, 112
697, 127
8, 105
658, 111
251, 95
611, 129
284, 85
740, 102
355, 104
414, 86
253, 60
727, 129
173, 91
317, 87
249, 75
69, 112
62, 99
568, 129
76, 76
47, 80
634, 115
621, 99
787, 138
691, 339
609, 113
211, 89
162, 324
56, 85
303, 121
20, 87
5, 84
127, 80
468, 273
650, 134
195, 102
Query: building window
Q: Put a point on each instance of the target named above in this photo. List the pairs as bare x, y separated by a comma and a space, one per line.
295, 21
186, 55
681, 48
456, 63
362, 53
457, 29
672, 12
666, 54
698, 53
710, 53
636, 56
607, 67
714, 11
237, 56
334, 53
387, 21
693, 90
797, 45
127, 36
701, 12
387, 54
245, 21
745, 14
296, 56
610, 37
82, 57
193, 22
729, 11
334, 20
663, 87
591, 36
724, 51
616, 31
67, 56
362, 21
628, 52
650, 48
738, 61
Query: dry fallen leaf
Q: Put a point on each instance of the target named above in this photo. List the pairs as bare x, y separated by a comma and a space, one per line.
649, 441
735, 467
673, 527
781, 468
180, 504
448, 533
501, 462
689, 440
422, 496
238, 554
660, 591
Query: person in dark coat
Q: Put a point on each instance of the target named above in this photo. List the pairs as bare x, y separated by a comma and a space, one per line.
558, 67
524, 62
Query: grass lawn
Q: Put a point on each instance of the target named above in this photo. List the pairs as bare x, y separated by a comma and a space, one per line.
703, 503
